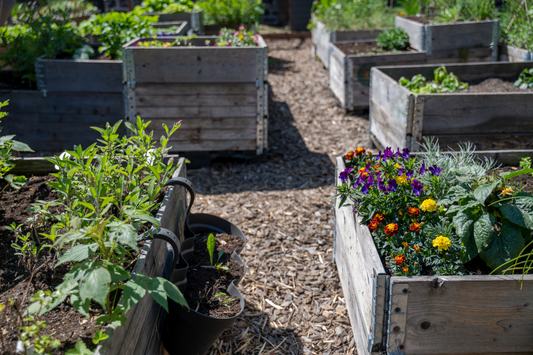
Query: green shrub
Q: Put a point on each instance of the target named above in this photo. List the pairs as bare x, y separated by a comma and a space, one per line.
449, 11
168, 6
396, 39
443, 82
516, 24
231, 12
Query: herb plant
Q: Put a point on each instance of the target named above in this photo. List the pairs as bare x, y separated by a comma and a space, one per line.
211, 251
393, 40
236, 38
443, 82
231, 12
346, 15
224, 298
525, 80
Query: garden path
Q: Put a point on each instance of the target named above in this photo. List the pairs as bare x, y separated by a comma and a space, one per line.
283, 205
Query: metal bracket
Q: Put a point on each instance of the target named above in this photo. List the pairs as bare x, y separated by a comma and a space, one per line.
129, 84
195, 22
40, 75
428, 39
265, 117
261, 65
418, 121
495, 39
380, 287
397, 322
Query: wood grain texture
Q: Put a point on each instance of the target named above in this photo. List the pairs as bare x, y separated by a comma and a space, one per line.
518, 54
179, 112
68, 75
462, 34
468, 314
415, 30
197, 101
197, 89
137, 336
338, 76
357, 262
213, 145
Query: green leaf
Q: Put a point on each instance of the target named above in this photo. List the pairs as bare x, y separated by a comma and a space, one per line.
504, 246
483, 229
80, 305
118, 273
509, 175
464, 227
96, 285
174, 293
133, 291
21, 147
79, 349
124, 233
16, 182
454, 194
157, 291
211, 246
77, 253
516, 216
99, 336
483, 191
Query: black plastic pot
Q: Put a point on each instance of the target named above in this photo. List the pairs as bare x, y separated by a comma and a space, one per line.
187, 332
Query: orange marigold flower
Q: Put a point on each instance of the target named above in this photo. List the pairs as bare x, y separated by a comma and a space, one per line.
417, 248
369, 153
413, 211
400, 259
379, 217
405, 244
373, 224
349, 156
415, 227
391, 229
400, 213
405, 269
359, 151
377, 167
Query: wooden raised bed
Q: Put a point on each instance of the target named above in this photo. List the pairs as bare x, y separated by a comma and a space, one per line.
140, 335
195, 20
426, 315
514, 54
219, 94
491, 121
474, 41
322, 39
349, 75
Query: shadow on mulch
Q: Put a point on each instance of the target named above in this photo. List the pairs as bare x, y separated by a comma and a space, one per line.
279, 66
287, 165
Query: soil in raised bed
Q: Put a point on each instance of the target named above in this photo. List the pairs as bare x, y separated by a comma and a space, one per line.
365, 48
204, 283
494, 85
10, 81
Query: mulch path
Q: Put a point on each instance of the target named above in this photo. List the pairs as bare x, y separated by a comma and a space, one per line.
282, 203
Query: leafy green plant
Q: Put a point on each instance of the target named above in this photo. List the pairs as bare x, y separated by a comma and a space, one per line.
450, 11
211, 250
443, 82
393, 40
168, 6
516, 18
224, 298
118, 28
231, 12
236, 38
525, 80
345, 15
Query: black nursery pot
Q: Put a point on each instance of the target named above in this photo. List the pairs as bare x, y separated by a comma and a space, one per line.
187, 332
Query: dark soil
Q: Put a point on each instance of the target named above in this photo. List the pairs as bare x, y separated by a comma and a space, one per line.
204, 283
494, 85
365, 48
10, 81
521, 182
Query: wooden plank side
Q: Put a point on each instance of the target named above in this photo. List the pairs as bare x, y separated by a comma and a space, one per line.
487, 141
390, 110
196, 100
337, 75
202, 135
415, 30
197, 89
468, 314
322, 40
179, 112
479, 113
357, 261
188, 124
195, 65
462, 34
460, 55
518, 54
82, 75
356, 35
213, 145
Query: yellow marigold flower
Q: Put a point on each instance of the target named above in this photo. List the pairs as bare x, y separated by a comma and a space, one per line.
508, 191
405, 244
241, 37
397, 166
402, 13
401, 180
429, 205
443, 243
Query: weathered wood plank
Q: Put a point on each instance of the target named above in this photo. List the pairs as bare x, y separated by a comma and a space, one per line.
213, 145
415, 30
337, 75
460, 55
196, 100
179, 112
201, 135
68, 75
468, 314
188, 124
488, 141
462, 34
195, 89
515, 54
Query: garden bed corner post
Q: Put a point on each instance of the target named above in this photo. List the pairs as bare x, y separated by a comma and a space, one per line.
261, 56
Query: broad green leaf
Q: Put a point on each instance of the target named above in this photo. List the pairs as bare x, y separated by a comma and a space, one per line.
77, 253
96, 285
516, 216
80, 349
483, 191
211, 246
504, 246
16, 182
174, 293
80, 305
133, 291
118, 273
21, 147
123, 233
512, 174
454, 194
157, 291
483, 229
99, 336
464, 227
85, 204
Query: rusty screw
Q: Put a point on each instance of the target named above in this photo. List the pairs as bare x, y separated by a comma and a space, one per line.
402, 347
405, 290
396, 329
397, 310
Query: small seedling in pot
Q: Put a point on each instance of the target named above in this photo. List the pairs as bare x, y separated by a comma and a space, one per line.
211, 250
224, 301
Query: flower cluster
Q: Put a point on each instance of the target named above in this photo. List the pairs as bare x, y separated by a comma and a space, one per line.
236, 38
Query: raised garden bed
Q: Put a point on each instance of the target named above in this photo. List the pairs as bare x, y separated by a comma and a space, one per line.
349, 72
473, 41
219, 93
492, 121
514, 54
322, 39
194, 20
476, 314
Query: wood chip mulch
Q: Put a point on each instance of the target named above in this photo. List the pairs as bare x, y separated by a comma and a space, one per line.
282, 203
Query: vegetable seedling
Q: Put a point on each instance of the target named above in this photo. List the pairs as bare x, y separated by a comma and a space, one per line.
211, 250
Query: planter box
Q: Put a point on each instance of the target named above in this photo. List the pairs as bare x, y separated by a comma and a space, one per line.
491, 121
195, 20
514, 54
455, 42
427, 314
322, 39
349, 75
219, 94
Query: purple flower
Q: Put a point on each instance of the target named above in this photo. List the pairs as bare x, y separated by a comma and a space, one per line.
400, 172
423, 169
388, 153
383, 188
364, 189
435, 170
379, 156
393, 185
397, 153
417, 187
409, 174
344, 175
405, 153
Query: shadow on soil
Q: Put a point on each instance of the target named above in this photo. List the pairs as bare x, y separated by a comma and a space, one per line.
287, 165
